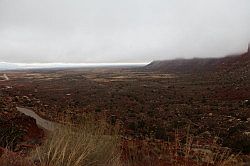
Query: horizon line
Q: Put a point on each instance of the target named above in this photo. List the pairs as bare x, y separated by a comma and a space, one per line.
13, 66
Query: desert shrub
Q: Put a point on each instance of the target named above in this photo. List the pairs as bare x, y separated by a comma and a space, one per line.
132, 125
10, 136
98, 110
113, 119
239, 143
175, 124
90, 143
160, 133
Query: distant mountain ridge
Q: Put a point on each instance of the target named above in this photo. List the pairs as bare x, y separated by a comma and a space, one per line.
227, 63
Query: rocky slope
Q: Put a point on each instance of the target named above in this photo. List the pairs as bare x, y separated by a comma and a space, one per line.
240, 63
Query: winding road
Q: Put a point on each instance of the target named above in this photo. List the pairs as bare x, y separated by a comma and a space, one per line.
48, 125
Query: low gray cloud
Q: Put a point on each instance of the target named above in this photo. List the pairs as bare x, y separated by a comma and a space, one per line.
82, 31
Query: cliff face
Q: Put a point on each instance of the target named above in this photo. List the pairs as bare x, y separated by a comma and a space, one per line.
182, 65
229, 63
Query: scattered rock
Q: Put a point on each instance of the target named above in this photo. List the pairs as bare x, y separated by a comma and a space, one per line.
247, 102
247, 133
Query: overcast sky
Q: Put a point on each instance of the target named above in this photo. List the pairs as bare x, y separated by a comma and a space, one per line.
82, 31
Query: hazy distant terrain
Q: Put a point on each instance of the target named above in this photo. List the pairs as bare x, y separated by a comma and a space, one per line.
20, 66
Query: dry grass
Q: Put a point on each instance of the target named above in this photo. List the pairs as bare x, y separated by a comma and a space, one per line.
86, 144
159, 153
94, 143
191, 153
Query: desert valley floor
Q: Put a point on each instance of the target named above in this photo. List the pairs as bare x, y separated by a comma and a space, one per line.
147, 105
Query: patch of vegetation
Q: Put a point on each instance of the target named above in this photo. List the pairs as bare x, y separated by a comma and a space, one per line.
239, 143
10, 136
87, 144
